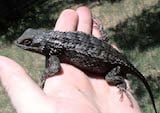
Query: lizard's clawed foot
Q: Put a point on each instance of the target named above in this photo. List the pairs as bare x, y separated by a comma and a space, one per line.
122, 91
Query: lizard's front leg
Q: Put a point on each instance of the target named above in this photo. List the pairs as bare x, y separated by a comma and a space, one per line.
52, 67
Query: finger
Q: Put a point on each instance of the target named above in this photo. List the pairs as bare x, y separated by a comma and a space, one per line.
67, 21
116, 47
85, 20
96, 28
96, 32
18, 85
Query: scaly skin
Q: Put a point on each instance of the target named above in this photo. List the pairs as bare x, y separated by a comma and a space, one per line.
84, 51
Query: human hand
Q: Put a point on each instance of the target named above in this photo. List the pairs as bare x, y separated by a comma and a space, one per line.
69, 92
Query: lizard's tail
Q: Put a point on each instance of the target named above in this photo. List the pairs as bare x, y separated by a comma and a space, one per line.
142, 78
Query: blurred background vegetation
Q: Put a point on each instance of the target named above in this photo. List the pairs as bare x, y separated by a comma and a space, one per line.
133, 25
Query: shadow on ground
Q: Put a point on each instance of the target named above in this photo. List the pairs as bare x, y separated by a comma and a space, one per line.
141, 31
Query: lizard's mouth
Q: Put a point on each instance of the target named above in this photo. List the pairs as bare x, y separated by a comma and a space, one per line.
29, 48
21, 45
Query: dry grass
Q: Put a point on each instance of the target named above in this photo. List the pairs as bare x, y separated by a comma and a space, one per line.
113, 14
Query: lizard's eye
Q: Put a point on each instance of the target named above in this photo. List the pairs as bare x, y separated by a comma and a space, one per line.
27, 42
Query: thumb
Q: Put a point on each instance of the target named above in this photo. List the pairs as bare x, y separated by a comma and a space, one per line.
19, 86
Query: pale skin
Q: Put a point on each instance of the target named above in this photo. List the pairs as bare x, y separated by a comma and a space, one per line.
70, 91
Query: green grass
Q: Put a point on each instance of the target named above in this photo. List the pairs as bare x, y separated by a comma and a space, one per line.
147, 63
113, 14
128, 15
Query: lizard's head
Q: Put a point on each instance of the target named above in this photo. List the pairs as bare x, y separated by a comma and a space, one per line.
31, 40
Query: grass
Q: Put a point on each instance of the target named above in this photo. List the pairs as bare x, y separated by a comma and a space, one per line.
112, 15
148, 63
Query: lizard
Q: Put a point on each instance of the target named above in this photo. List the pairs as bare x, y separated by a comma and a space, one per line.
83, 51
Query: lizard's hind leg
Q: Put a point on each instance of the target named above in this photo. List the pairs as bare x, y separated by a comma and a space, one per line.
115, 77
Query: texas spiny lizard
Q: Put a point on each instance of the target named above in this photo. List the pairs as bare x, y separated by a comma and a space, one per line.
82, 50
